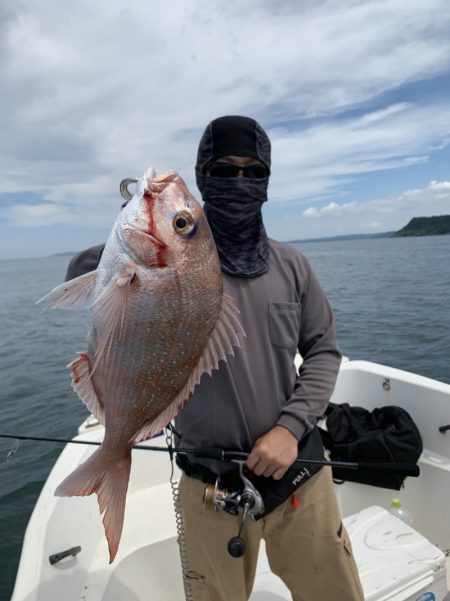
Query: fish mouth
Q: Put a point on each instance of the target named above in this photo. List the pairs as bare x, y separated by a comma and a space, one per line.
156, 241
153, 241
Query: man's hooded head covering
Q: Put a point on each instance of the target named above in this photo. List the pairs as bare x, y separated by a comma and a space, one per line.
233, 204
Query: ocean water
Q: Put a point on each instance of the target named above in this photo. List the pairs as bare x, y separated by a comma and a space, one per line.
391, 299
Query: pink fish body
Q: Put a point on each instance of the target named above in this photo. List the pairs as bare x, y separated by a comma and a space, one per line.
159, 321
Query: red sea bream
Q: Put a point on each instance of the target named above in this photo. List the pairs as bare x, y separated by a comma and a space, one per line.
159, 321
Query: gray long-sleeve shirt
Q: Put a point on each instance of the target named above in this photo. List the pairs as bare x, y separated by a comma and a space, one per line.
281, 311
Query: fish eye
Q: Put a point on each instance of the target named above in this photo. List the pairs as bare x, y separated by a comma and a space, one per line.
183, 223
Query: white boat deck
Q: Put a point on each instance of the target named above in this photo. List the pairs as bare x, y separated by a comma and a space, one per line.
148, 557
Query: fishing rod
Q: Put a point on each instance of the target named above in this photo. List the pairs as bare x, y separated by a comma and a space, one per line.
401, 469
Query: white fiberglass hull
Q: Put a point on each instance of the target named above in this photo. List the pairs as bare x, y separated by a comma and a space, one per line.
148, 565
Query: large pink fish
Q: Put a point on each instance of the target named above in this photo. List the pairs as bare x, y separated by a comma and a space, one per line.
159, 320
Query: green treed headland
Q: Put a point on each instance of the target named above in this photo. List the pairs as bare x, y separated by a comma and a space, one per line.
426, 226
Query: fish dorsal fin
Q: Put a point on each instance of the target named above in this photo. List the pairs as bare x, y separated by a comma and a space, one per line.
74, 294
226, 334
83, 386
108, 310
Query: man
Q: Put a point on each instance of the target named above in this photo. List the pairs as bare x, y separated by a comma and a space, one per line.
256, 402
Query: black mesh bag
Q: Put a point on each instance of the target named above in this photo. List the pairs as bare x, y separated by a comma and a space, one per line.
386, 434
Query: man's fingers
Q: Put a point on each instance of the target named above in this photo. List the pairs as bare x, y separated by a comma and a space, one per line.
260, 467
278, 474
269, 471
273, 453
263, 466
252, 460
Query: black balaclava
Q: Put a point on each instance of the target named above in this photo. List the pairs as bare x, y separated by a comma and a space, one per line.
233, 204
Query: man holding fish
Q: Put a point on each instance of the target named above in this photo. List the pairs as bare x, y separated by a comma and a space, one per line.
254, 401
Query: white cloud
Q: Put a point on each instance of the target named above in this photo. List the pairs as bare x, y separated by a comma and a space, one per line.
440, 186
23, 215
324, 158
383, 214
331, 209
94, 92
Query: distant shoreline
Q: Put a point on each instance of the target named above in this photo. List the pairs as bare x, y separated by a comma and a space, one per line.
326, 239
417, 226
347, 237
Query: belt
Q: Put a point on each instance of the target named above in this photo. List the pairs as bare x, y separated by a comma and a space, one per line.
197, 471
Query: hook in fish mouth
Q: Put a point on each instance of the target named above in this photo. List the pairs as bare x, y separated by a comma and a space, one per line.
155, 183
124, 192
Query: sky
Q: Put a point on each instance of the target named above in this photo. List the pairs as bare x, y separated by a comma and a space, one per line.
354, 95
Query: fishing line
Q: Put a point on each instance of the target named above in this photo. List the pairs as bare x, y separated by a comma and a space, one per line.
406, 469
179, 519
13, 450
72, 441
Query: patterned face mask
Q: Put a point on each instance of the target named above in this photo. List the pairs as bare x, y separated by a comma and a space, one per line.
233, 210
233, 204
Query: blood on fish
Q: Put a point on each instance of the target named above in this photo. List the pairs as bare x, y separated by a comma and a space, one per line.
150, 201
149, 197
161, 258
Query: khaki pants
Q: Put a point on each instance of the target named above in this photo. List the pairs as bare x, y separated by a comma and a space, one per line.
307, 547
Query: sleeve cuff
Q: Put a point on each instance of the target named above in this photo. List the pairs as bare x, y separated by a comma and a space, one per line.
293, 425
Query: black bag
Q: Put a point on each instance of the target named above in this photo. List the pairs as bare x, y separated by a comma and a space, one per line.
387, 434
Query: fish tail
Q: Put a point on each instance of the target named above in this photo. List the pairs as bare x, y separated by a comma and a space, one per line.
109, 480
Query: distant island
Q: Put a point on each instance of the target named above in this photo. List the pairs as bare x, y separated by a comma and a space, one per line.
417, 226
426, 226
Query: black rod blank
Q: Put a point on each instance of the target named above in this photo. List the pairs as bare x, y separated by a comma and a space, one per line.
404, 469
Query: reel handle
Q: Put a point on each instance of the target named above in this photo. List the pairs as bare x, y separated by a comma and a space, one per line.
236, 546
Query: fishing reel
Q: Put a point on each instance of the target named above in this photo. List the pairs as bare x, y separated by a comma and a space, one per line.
245, 501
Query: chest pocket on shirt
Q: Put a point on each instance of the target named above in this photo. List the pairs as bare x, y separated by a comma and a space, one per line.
284, 324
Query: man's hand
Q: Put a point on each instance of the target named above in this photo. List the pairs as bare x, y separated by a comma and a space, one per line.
273, 453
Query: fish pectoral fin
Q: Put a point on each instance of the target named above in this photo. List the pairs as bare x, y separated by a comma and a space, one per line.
109, 309
83, 385
75, 294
